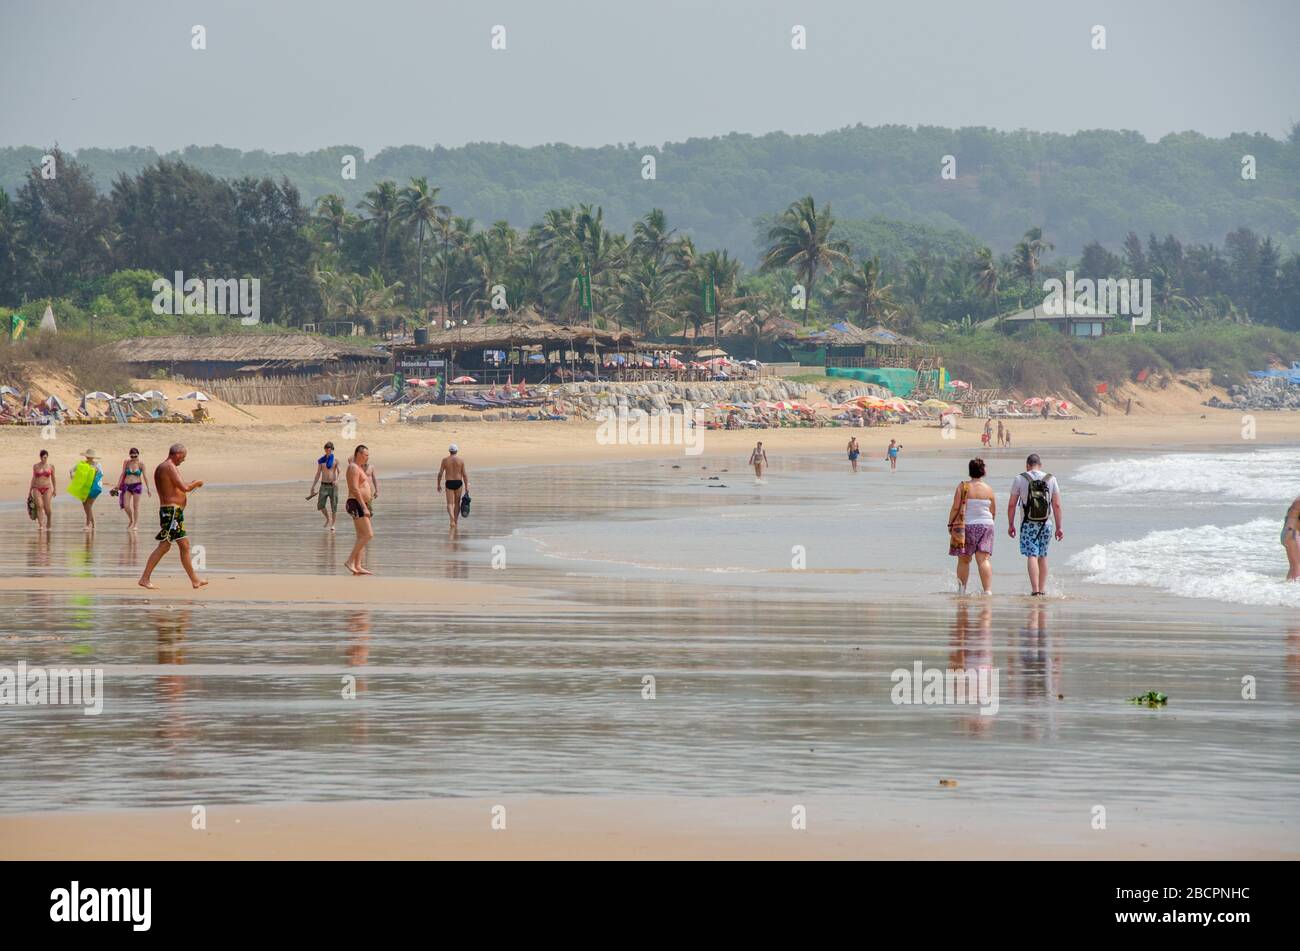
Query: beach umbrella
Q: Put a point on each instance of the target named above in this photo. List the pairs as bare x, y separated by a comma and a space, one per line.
98, 395
153, 395
464, 379
196, 395
133, 397
9, 391
1034, 401
933, 403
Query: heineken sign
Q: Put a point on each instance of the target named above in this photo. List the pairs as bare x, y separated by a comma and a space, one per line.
584, 289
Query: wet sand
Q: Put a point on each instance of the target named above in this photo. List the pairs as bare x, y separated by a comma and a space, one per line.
588, 827
773, 684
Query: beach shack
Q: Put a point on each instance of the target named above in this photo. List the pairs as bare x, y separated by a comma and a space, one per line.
1076, 320
532, 350
248, 355
902, 364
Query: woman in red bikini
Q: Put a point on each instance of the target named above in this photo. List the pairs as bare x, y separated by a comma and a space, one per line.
42, 490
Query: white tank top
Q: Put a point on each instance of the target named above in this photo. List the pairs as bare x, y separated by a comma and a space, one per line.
977, 512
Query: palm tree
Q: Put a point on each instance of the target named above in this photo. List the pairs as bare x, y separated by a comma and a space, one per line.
801, 239
918, 284
418, 205
860, 292
651, 239
985, 271
332, 213
1029, 254
381, 203
648, 296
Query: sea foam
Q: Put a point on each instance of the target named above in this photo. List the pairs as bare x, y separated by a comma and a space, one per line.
1238, 564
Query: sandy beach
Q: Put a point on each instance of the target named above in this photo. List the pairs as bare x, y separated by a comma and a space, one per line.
281, 444
478, 687
606, 828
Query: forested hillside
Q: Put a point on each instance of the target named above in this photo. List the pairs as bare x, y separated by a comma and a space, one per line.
1090, 186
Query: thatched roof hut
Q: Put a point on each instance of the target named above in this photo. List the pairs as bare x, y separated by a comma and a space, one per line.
515, 333
227, 355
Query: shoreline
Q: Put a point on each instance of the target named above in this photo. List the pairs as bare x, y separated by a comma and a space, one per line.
609, 827
281, 454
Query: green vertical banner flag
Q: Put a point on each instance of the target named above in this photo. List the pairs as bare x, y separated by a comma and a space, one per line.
16, 324
584, 289
710, 295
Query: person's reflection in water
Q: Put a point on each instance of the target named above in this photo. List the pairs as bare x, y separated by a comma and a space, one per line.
455, 567
172, 626
972, 649
325, 557
358, 652
1293, 660
1038, 679
129, 554
38, 550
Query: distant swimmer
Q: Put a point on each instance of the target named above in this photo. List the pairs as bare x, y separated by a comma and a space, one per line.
1291, 540
172, 495
891, 454
854, 452
358, 506
1079, 432
758, 459
452, 471
327, 475
41, 490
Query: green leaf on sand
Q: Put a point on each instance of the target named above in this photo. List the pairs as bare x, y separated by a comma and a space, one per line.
1152, 698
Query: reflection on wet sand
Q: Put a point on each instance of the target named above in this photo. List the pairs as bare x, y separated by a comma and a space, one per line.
171, 626
972, 649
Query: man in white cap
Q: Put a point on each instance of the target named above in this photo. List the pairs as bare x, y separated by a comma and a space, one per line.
457, 479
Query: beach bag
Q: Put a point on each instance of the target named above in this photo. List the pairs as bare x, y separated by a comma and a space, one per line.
464, 505
83, 480
1038, 502
96, 486
31, 507
957, 527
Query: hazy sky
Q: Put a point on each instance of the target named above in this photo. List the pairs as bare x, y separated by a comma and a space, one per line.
292, 75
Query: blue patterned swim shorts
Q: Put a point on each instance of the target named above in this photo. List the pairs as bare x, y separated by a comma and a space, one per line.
1034, 539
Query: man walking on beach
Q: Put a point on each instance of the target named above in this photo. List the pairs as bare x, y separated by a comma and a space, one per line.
457, 479
172, 493
358, 506
327, 474
1038, 496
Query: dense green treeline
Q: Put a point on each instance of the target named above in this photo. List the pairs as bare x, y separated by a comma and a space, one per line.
403, 255
1089, 186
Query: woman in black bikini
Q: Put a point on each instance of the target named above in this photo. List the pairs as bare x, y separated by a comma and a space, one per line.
130, 484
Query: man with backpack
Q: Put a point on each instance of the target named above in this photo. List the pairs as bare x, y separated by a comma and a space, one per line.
1038, 497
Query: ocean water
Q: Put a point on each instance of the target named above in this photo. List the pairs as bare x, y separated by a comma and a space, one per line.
772, 617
